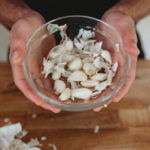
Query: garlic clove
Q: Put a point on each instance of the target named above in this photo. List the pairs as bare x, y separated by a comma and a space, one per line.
80, 33
89, 68
89, 83
78, 44
48, 65
69, 45
59, 86
87, 34
106, 55
66, 94
97, 49
96, 93
73, 85
99, 76
101, 86
56, 51
75, 64
109, 77
77, 76
82, 93
115, 67
56, 75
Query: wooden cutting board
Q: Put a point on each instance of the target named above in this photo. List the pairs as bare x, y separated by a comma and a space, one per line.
123, 126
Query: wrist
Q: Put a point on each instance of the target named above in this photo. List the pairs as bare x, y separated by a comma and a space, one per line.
136, 9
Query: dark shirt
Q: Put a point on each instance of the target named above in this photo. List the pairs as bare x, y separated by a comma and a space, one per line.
52, 9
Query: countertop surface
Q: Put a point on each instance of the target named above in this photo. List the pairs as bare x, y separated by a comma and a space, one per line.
123, 126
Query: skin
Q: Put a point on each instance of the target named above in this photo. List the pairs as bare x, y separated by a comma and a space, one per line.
23, 22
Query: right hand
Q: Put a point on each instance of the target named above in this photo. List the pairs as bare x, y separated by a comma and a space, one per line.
19, 34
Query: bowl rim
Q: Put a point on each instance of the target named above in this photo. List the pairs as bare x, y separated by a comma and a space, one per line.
74, 106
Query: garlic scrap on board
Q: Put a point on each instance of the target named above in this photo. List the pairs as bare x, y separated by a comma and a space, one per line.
79, 67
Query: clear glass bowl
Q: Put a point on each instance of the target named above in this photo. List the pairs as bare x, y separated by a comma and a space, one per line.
41, 42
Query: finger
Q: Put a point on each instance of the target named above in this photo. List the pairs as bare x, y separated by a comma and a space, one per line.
16, 59
97, 109
27, 91
128, 83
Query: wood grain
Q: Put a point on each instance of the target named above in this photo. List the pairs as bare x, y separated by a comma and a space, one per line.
123, 126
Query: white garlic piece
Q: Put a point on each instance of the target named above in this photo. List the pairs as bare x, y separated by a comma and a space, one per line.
82, 93
56, 75
69, 45
89, 68
89, 83
77, 76
99, 76
87, 34
115, 67
66, 94
101, 86
47, 67
75, 64
59, 86
56, 51
106, 55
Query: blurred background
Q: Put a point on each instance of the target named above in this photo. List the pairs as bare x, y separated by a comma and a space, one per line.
143, 28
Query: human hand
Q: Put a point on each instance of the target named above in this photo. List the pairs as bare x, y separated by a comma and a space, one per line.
124, 24
19, 34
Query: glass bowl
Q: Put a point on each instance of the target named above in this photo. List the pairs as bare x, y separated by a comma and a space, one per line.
41, 42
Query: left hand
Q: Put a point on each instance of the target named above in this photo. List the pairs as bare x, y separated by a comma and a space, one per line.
124, 24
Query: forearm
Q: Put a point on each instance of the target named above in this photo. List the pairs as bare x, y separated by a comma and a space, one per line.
137, 9
12, 10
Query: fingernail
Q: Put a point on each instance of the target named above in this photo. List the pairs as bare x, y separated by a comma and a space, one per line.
98, 109
116, 100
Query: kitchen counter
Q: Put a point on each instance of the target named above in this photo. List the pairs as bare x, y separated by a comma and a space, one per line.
123, 126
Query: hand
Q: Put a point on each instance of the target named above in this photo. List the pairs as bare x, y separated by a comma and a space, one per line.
19, 34
125, 26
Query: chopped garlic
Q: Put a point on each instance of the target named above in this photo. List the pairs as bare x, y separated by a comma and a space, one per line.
96, 129
43, 138
34, 116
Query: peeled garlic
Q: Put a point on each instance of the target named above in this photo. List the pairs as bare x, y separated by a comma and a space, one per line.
79, 61
65, 94
82, 93
109, 77
89, 83
77, 76
97, 49
56, 51
59, 86
87, 34
99, 76
106, 55
47, 67
89, 68
75, 64
115, 67
101, 86
56, 75
69, 45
